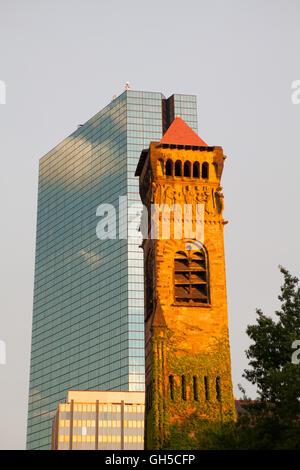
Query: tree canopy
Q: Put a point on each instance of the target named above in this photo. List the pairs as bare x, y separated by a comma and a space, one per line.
272, 421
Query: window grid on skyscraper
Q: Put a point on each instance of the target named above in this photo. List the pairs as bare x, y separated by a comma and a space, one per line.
88, 293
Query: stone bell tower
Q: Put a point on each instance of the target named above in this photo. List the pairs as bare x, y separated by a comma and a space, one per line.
188, 371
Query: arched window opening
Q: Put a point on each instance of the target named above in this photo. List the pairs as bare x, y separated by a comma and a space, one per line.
191, 277
171, 384
183, 387
195, 388
218, 388
169, 168
187, 169
178, 168
205, 171
196, 170
206, 388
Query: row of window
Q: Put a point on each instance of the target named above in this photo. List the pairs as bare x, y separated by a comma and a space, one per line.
84, 318
79, 428
187, 170
196, 385
108, 438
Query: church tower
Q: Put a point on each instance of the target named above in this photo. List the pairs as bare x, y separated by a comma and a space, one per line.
188, 371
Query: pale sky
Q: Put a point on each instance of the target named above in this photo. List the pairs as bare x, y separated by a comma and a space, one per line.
63, 60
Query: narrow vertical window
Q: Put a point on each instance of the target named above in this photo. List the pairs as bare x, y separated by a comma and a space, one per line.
195, 388
149, 396
205, 172
218, 388
169, 168
196, 170
178, 167
187, 169
206, 388
171, 384
183, 387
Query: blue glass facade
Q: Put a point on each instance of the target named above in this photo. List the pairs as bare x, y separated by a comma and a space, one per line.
88, 314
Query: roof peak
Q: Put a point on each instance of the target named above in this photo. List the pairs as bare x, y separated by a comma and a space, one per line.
181, 133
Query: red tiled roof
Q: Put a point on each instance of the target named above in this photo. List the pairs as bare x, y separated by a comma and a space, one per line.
179, 133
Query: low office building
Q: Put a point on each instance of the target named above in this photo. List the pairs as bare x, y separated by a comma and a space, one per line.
96, 420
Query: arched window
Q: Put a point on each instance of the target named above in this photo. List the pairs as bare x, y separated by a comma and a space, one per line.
196, 170
178, 168
169, 168
187, 169
191, 277
205, 171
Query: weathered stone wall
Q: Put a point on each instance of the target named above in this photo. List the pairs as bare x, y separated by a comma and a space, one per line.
184, 340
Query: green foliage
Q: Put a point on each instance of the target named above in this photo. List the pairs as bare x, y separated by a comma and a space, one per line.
273, 421
211, 364
267, 434
270, 357
161, 433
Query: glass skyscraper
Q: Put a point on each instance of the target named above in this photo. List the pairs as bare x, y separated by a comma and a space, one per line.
88, 313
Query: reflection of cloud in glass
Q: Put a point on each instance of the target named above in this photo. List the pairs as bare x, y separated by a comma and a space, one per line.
68, 162
44, 413
77, 159
92, 259
36, 397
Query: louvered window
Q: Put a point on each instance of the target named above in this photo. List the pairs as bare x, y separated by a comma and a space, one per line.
191, 277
